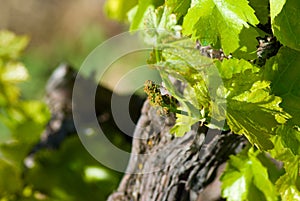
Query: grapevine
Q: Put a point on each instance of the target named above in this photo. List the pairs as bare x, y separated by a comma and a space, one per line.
253, 47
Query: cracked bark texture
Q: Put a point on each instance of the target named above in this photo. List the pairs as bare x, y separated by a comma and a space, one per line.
169, 168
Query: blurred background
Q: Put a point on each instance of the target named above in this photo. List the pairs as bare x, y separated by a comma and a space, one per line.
59, 31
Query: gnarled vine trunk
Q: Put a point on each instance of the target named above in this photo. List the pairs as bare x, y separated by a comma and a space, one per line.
166, 168
181, 169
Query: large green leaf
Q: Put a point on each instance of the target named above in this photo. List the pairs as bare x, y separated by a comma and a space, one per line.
213, 21
285, 17
261, 8
245, 178
283, 72
251, 108
253, 113
288, 184
231, 90
290, 138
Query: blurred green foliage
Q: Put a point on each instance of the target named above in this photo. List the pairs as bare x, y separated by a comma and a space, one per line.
69, 173
42, 59
118, 9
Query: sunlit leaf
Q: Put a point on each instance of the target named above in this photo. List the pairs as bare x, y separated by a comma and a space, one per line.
183, 125
11, 45
14, 72
288, 184
245, 178
213, 21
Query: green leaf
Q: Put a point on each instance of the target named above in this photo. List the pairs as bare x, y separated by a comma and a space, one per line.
12, 182
230, 89
35, 111
10, 93
213, 21
186, 105
31, 120
285, 23
290, 138
245, 178
275, 170
247, 43
5, 134
14, 72
118, 9
183, 125
229, 67
253, 113
283, 72
14, 152
178, 7
143, 5
288, 184
160, 26
194, 99
251, 109
261, 8
11, 45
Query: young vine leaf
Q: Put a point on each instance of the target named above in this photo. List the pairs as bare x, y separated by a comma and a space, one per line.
214, 22
245, 178
288, 184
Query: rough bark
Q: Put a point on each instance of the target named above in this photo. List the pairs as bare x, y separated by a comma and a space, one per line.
182, 169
